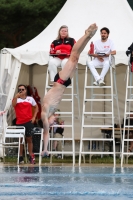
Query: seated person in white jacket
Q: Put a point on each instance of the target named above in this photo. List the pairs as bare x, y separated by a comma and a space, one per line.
102, 49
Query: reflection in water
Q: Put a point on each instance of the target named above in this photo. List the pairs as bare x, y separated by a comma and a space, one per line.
66, 183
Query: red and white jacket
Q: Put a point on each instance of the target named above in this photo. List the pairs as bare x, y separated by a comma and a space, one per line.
64, 45
23, 109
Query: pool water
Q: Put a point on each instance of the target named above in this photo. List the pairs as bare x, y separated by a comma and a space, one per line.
66, 183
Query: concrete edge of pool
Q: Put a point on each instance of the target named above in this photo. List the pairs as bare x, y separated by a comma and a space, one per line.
66, 164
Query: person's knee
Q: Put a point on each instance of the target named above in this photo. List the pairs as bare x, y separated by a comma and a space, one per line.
74, 57
64, 62
51, 119
89, 64
52, 64
43, 114
106, 64
43, 117
44, 110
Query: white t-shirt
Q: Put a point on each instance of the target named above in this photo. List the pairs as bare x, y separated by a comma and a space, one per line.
104, 47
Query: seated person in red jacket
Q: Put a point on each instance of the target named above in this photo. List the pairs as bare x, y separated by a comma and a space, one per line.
61, 46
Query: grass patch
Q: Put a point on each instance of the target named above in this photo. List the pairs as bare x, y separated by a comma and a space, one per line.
68, 159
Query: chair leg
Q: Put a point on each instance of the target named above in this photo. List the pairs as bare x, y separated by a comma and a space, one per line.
18, 151
25, 152
83, 154
3, 154
40, 157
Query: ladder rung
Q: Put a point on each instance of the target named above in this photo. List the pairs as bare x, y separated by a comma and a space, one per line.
129, 86
62, 125
66, 100
67, 116
98, 113
87, 126
64, 113
128, 113
98, 100
128, 139
127, 153
62, 152
87, 87
61, 139
92, 117
129, 100
67, 94
96, 152
103, 95
97, 139
128, 126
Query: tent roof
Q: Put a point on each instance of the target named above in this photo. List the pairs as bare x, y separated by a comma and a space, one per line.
78, 15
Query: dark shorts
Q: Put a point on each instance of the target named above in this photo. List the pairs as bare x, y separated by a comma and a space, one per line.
28, 128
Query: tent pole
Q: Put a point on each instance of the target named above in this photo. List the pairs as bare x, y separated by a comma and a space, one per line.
31, 74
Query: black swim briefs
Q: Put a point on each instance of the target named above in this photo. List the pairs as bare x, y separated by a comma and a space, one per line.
62, 82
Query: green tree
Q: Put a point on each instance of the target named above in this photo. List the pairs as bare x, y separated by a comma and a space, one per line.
130, 3
22, 20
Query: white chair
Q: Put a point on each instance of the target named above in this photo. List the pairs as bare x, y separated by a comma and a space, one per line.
11, 133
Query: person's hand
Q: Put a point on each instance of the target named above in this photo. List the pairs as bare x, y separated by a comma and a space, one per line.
18, 95
100, 59
91, 30
33, 120
58, 51
92, 55
51, 120
62, 122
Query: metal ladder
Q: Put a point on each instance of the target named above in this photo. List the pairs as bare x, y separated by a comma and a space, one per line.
127, 112
68, 97
102, 118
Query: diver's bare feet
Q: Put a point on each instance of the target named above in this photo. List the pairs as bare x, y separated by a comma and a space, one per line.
91, 30
44, 153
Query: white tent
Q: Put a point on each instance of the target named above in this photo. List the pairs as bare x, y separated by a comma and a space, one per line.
77, 15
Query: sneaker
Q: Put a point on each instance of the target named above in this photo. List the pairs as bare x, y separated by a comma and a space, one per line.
95, 83
21, 160
101, 83
32, 159
59, 156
